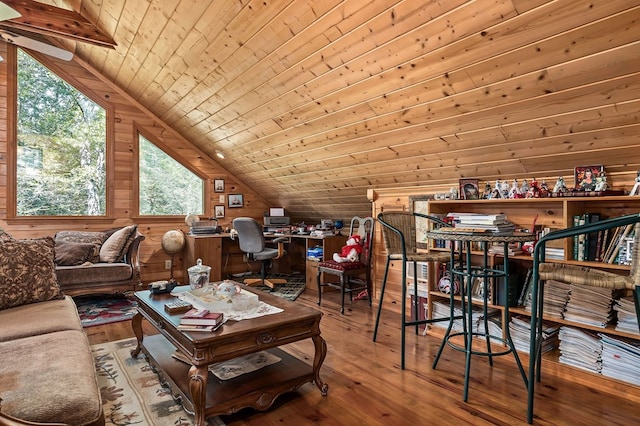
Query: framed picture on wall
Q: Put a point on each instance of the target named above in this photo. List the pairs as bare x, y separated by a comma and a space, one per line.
218, 185
469, 189
219, 211
585, 177
235, 201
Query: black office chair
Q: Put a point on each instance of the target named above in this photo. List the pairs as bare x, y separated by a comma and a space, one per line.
252, 242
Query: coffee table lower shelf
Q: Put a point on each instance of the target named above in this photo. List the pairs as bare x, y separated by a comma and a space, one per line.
258, 389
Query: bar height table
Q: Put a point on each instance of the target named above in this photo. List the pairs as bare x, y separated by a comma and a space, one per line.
467, 272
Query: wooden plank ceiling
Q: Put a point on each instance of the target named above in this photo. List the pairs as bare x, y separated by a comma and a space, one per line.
314, 102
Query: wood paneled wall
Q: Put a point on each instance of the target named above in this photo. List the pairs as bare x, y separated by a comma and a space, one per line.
129, 117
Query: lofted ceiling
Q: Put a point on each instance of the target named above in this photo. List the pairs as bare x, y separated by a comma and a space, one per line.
314, 102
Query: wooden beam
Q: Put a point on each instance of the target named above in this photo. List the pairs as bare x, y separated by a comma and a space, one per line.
55, 22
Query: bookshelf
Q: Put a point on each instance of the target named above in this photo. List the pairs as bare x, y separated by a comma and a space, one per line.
553, 213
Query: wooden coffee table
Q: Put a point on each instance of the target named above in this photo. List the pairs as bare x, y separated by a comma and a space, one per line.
204, 394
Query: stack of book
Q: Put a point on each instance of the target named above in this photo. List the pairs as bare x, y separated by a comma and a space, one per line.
497, 223
201, 320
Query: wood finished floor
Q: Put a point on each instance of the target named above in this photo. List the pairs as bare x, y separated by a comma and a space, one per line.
367, 387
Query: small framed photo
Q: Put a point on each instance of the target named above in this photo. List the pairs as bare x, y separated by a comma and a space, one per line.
585, 177
218, 185
469, 189
219, 212
235, 201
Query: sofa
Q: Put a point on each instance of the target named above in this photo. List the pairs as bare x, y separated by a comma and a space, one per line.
98, 262
47, 371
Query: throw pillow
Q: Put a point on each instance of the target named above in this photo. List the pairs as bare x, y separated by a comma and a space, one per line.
112, 249
72, 254
4, 236
96, 238
27, 272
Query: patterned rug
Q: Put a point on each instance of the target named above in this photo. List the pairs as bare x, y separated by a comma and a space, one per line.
290, 291
104, 309
131, 392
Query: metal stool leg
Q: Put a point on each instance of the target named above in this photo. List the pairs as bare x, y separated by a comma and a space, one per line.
384, 284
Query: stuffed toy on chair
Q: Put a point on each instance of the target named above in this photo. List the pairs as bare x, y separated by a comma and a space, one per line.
351, 251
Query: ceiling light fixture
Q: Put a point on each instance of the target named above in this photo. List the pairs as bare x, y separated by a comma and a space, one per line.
220, 154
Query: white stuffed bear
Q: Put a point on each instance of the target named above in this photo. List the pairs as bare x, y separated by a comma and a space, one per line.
351, 251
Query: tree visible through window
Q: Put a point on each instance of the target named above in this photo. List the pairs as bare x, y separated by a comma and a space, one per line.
166, 186
61, 142
61, 146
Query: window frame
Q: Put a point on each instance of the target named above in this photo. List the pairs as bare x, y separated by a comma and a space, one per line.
12, 141
138, 131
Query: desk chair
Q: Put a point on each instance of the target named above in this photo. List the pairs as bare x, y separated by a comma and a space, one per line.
252, 242
350, 271
399, 232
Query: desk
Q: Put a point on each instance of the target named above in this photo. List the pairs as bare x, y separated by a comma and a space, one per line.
213, 248
467, 272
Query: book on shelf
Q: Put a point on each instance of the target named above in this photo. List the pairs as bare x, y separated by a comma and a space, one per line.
210, 318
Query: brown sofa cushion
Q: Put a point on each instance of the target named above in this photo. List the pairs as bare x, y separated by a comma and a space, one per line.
89, 237
72, 254
26, 320
50, 378
113, 249
27, 272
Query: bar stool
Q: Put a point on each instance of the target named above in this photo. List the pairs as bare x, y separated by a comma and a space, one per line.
399, 232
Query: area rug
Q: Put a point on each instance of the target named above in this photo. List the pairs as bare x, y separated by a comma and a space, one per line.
131, 392
104, 309
290, 291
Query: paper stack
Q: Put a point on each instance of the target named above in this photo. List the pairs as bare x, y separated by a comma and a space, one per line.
620, 360
520, 329
580, 349
627, 318
497, 223
591, 305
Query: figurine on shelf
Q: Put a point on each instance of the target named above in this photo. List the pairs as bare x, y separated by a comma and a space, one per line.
525, 187
514, 192
601, 181
560, 186
636, 187
544, 189
487, 191
504, 189
534, 190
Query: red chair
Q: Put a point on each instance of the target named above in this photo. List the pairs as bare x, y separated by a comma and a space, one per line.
354, 276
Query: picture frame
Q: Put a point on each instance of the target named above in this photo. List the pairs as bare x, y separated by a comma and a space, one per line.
418, 204
218, 212
469, 189
585, 177
235, 201
218, 185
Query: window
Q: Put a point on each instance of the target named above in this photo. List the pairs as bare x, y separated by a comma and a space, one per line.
61, 139
166, 187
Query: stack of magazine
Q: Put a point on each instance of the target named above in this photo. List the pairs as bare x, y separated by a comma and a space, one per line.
556, 294
580, 349
620, 360
627, 318
591, 305
496, 223
520, 329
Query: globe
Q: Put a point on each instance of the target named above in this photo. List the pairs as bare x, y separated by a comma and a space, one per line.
173, 241
339, 225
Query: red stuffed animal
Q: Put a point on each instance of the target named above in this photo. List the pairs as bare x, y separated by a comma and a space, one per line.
351, 251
